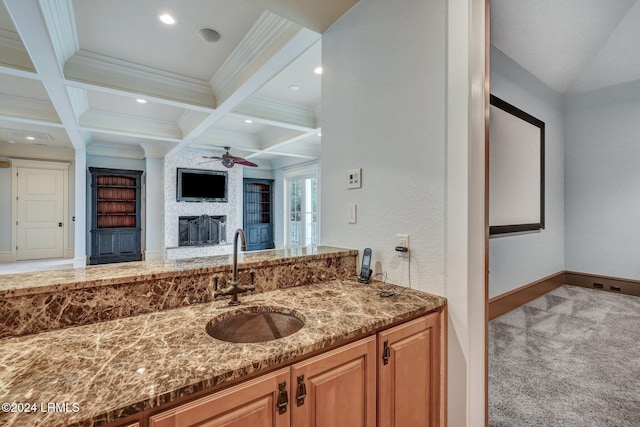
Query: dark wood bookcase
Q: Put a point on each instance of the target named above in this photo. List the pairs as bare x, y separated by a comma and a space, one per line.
115, 215
258, 213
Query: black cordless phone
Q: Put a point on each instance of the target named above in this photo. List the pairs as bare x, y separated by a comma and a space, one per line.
365, 270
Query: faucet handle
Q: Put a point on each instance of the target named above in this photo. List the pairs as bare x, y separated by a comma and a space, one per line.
216, 279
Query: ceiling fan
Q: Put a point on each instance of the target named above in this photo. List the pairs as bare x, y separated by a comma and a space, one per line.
228, 160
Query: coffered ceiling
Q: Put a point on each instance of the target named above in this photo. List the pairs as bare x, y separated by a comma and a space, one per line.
72, 72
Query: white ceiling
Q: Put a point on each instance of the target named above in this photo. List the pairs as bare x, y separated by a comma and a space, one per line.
71, 71
573, 46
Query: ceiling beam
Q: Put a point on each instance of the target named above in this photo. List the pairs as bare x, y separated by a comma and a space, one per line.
30, 24
93, 71
276, 113
312, 14
268, 48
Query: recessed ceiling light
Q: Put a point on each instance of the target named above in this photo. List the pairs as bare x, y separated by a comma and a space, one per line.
319, 133
141, 101
318, 70
248, 121
167, 19
294, 88
30, 138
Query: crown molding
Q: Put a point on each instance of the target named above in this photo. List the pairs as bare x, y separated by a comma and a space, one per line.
284, 162
29, 109
13, 54
277, 113
79, 101
268, 36
154, 150
106, 149
61, 24
124, 124
190, 119
27, 151
222, 138
104, 72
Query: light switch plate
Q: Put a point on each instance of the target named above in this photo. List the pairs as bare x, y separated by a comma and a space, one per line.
352, 213
354, 178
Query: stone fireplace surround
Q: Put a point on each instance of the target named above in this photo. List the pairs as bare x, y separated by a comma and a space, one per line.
232, 209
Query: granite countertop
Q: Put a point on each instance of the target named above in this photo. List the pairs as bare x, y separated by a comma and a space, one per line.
12, 285
109, 370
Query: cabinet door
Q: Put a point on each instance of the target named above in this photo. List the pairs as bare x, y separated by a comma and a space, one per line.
409, 374
340, 388
128, 242
107, 243
250, 404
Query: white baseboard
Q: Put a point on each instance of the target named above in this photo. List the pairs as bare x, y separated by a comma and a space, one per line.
5, 256
80, 262
152, 255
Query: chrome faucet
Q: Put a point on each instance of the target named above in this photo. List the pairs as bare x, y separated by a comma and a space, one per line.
235, 287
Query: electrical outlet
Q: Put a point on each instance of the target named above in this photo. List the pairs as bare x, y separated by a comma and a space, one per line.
402, 245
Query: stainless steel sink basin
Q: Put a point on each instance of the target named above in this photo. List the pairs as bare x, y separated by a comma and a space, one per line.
254, 324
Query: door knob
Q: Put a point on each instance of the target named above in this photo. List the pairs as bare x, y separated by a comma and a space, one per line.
59, 224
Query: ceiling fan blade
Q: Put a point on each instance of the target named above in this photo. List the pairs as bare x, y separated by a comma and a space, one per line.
212, 157
244, 162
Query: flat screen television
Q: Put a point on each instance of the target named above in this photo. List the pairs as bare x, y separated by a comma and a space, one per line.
201, 185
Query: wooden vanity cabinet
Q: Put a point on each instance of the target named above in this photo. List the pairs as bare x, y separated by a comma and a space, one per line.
336, 389
391, 379
253, 403
409, 374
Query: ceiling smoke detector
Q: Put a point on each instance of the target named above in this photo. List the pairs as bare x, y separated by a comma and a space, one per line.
209, 35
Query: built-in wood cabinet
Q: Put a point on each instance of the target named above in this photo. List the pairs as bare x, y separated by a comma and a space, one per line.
409, 374
258, 213
115, 215
261, 402
393, 378
336, 389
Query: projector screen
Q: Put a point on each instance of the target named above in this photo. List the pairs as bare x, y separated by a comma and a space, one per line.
516, 170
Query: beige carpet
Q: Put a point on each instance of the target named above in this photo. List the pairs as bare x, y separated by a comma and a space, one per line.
570, 358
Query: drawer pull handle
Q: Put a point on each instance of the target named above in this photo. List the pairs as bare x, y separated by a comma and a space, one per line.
301, 392
283, 397
386, 353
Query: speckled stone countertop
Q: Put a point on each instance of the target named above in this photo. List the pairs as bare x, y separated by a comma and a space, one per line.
110, 370
12, 285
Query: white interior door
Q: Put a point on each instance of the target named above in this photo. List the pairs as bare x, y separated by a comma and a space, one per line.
40, 209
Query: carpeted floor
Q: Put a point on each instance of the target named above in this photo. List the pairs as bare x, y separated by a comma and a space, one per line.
570, 358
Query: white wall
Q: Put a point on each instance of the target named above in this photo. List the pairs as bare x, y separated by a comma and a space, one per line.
5, 213
403, 100
603, 182
519, 259
153, 200
383, 111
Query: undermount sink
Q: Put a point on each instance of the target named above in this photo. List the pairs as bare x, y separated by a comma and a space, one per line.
254, 324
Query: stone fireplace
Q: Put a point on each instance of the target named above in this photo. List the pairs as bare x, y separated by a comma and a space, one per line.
203, 230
